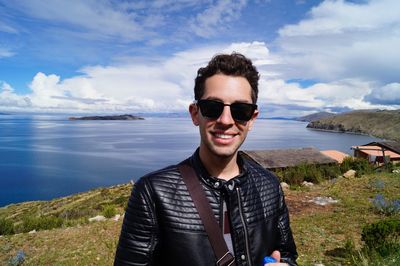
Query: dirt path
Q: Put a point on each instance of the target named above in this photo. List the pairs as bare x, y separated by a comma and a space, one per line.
299, 202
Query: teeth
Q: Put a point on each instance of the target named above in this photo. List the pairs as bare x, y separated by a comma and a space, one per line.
223, 136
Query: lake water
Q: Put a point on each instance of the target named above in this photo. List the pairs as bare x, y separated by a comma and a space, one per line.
43, 157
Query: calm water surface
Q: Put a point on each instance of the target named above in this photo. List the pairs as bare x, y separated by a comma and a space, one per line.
42, 157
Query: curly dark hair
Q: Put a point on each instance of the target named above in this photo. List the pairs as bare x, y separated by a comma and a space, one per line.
234, 64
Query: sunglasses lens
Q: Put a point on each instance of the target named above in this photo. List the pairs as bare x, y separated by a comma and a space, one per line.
242, 111
211, 109
239, 111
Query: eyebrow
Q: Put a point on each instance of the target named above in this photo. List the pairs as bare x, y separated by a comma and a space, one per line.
220, 100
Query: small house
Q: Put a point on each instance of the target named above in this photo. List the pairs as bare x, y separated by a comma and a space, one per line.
378, 152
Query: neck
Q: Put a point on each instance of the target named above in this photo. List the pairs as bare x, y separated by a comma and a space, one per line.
222, 167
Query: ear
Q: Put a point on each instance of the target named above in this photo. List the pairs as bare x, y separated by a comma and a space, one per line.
194, 113
251, 121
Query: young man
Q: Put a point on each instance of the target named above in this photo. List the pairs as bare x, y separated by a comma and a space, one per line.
161, 224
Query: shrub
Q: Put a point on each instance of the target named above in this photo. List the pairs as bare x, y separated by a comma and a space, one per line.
360, 165
389, 167
121, 200
109, 211
330, 171
41, 223
346, 164
382, 236
291, 176
311, 173
104, 192
385, 206
308, 172
17, 259
6, 227
378, 184
76, 213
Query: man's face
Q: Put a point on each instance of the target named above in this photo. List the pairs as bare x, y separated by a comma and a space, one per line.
223, 136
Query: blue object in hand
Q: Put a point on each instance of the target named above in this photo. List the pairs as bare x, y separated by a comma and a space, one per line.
268, 260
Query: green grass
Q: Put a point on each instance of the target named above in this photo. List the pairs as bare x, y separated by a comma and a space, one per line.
92, 244
67, 211
322, 234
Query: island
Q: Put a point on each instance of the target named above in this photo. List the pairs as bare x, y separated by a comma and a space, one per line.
108, 117
383, 124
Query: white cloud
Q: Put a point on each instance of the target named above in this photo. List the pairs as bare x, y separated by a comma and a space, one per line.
166, 84
341, 40
5, 87
254, 50
207, 23
259, 53
349, 49
172, 5
344, 93
7, 28
100, 18
131, 21
162, 86
388, 94
9, 100
5, 52
338, 16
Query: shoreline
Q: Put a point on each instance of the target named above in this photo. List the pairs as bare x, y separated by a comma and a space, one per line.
349, 132
338, 131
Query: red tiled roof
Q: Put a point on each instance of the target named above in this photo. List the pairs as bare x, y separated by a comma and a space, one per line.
376, 151
336, 155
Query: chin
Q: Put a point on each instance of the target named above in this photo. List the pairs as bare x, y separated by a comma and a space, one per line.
224, 152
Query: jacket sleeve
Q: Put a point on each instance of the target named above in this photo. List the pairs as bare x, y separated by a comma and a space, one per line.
287, 247
138, 238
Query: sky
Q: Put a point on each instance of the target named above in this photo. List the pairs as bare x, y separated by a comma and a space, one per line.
109, 56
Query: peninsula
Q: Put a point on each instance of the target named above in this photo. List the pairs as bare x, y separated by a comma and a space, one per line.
378, 123
108, 117
315, 116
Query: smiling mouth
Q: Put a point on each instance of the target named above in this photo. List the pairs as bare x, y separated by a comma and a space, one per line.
224, 136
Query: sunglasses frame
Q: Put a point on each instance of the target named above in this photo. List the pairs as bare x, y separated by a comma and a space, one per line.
232, 110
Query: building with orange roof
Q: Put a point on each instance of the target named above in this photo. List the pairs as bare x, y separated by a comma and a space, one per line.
377, 151
336, 155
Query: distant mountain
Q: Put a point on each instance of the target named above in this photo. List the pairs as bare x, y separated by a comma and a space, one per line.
108, 117
378, 123
3, 113
315, 116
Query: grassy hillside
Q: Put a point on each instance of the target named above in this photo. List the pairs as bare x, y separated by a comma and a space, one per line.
382, 123
315, 116
322, 233
72, 210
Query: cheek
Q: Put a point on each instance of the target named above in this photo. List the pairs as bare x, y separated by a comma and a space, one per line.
243, 126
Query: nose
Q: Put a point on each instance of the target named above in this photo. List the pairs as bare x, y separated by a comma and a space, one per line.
226, 116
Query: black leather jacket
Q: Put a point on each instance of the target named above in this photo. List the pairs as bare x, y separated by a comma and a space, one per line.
162, 227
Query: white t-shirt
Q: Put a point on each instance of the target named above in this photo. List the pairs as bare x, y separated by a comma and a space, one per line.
226, 229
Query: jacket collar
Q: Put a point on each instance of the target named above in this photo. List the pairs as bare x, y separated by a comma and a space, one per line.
215, 182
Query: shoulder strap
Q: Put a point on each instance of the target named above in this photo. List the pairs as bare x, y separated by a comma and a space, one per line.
196, 191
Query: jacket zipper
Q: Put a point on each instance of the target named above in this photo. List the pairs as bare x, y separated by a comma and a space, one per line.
246, 237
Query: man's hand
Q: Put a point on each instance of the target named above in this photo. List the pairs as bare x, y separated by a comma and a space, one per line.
277, 256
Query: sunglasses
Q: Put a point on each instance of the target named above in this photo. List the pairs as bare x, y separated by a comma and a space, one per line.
239, 111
